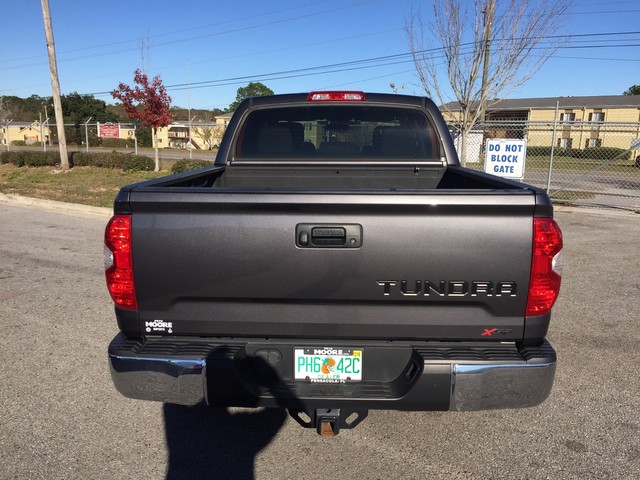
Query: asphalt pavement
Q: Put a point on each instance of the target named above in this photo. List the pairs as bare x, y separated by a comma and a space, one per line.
61, 418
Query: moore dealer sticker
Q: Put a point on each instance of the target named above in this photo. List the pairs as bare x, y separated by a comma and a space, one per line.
158, 326
505, 157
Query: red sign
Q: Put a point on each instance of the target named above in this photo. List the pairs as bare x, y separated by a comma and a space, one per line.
109, 130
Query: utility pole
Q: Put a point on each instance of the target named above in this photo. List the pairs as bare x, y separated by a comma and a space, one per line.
55, 85
489, 12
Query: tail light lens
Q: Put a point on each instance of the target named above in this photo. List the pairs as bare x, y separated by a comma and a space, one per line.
544, 286
118, 263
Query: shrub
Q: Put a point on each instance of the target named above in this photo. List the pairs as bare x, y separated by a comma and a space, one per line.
115, 160
115, 142
18, 143
31, 158
80, 159
138, 163
41, 159
14, 158
189, 164
538, 151
101, 159
604, 153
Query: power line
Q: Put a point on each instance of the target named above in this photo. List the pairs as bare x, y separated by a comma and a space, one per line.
236, 30
362, 64
198, 37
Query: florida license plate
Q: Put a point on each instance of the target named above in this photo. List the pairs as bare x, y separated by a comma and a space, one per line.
328, 364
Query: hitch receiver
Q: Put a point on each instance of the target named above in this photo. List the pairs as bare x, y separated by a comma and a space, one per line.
328, 421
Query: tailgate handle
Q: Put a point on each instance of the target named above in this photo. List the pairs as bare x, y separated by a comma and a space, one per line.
328, 236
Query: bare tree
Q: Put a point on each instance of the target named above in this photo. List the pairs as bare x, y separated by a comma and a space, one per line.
4, 109
210, 133
487, 47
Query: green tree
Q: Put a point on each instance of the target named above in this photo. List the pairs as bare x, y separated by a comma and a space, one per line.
633, 90
144, 135
28, 109
78, 108
254, 89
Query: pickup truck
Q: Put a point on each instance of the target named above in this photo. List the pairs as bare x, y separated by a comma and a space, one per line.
335, 258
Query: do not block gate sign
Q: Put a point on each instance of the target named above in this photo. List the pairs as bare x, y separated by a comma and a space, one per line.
505, 157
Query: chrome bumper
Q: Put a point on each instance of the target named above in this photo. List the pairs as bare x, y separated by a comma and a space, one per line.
444, 383
487, 387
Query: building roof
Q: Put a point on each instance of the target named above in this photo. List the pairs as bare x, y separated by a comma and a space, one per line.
606, 101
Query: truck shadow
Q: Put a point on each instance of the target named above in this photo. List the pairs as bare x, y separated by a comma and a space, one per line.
210, 442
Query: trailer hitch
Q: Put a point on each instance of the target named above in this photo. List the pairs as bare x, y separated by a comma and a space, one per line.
328, 421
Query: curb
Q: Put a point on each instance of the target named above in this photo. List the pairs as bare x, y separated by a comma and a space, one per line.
55, 206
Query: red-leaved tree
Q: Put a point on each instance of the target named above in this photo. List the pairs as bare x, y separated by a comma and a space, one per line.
147, 102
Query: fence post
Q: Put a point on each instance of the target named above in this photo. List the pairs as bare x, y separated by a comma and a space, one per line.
86, 132
553, 143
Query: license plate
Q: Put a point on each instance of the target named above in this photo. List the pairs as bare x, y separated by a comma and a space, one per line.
328, 365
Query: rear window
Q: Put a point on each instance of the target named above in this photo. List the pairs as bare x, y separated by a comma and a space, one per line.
341, 132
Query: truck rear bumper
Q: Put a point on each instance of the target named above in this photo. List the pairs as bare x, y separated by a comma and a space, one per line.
417, 376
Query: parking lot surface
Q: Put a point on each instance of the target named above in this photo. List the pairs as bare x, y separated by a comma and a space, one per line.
60, 416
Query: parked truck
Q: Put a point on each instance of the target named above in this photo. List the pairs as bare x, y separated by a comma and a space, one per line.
335, 258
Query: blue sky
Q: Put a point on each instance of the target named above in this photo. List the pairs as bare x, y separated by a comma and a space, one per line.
204, 50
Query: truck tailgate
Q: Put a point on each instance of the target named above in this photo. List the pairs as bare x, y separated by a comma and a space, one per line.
429, 266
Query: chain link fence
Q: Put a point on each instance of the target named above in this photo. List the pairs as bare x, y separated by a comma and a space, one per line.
581, 163
198, 136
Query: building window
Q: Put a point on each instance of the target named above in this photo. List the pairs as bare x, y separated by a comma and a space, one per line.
596, 117
593, 142
565, 142
568, 117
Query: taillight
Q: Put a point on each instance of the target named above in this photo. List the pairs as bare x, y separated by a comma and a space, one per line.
336, 97
118, 264
544, 286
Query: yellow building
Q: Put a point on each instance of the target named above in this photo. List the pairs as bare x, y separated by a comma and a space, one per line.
204, 135
23, 133
574, 122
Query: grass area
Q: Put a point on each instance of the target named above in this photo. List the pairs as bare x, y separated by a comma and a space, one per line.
85, 185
